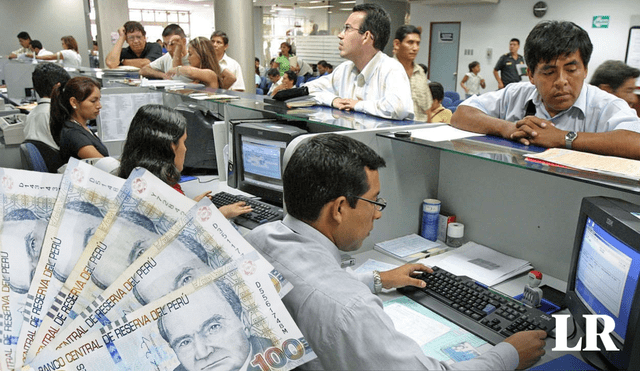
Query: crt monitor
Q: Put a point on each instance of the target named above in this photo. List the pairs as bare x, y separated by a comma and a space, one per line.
603, 280
259, 151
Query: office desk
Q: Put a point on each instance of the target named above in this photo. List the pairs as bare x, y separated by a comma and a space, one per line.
511, 287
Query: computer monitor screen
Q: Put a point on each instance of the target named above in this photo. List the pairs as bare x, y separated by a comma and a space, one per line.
259, 152
607, 276
604, 276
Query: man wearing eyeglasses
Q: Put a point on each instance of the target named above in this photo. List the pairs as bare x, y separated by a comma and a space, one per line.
370, 81
139, 53
332, 194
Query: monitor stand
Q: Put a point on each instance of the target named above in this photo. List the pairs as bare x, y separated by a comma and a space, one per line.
597, 360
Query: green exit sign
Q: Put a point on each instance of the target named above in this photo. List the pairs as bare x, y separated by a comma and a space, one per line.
600, 21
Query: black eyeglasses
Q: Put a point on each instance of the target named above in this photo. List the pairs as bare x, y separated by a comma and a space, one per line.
380, 203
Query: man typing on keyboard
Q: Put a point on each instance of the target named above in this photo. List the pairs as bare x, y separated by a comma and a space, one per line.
331, 190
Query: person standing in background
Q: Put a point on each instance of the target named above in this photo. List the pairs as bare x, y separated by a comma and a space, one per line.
507, 65
406, 46
472, 82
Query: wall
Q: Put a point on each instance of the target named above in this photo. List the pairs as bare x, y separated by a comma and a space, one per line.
486, 26
44, 20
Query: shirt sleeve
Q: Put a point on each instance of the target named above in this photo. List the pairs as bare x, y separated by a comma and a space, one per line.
500, 64
323, 89
490, 103
395, 102
365, 338
158, 64
622, 117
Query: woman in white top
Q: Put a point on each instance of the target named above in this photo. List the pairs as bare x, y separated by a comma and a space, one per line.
69, 53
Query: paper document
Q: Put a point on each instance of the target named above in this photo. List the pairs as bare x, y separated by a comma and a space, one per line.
608, 165
480, 263
374, 265
442, 133
438, 337
404, 246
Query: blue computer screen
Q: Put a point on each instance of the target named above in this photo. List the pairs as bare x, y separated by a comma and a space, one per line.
261, 161
607, 276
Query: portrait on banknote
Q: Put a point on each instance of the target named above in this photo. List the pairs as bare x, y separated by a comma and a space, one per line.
231, 319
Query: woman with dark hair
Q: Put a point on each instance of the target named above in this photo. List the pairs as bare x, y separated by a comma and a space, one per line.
155, 141
72, 106
287, 61
69, 53
203, 66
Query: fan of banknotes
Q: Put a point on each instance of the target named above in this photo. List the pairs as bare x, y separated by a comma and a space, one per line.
103, 273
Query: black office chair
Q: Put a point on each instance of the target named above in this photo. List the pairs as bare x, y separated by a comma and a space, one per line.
38, 156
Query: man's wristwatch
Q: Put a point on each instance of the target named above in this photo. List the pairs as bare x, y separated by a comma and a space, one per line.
569, 138
377, 282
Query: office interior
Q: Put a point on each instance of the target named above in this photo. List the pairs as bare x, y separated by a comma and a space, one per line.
486, 26
524, 211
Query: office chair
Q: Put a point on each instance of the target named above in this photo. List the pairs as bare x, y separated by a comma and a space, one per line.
447, 102
452, 94
312, 78
32, 159
259, 91
264, 83
35, 153
300, 81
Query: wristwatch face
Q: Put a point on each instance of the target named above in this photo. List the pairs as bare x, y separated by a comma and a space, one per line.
569, 137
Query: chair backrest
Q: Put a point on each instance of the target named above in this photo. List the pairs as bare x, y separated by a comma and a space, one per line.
447, 102
32, 159
452, 94
264, 82
456, 103
259, 91
51, 156
300, 81
312, 78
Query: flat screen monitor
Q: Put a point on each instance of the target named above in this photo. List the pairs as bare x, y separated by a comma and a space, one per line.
604, 276
259, 151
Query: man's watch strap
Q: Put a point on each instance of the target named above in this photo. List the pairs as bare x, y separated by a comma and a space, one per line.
377, 282
569, 138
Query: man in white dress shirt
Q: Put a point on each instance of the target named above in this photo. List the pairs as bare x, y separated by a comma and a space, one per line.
370, 82
172, 35
220, 45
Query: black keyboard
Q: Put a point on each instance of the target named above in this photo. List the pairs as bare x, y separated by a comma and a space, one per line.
476, 308
262, 211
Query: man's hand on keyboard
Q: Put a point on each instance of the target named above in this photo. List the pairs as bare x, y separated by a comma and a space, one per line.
404, 276
233, 210
530, 346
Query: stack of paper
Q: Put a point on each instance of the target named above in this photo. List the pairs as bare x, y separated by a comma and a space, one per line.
606, 165
405, 247
480, 263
